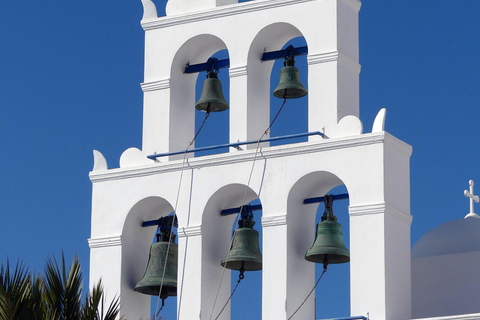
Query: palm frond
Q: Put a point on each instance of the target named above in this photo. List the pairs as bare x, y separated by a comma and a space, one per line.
55, 296
14, 292
73, 289
92, 302
62, 293
37, 303
113, 310
93, 308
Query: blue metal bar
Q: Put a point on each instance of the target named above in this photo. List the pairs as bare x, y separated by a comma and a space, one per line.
290, 51
350, 318
321, 199
211, 64
235, 144
255, 207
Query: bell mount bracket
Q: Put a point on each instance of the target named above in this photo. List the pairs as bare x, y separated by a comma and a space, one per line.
212, 65
215, 64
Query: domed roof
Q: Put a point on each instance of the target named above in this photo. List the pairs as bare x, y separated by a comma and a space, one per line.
456, 236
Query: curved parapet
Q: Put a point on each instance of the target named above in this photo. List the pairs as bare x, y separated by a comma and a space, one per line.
133, 157
99, 161
149, 10
347, 126
379, 123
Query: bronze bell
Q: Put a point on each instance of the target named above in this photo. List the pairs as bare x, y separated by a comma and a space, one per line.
244, 254
152, 280
289, 86
212, 99
328, 246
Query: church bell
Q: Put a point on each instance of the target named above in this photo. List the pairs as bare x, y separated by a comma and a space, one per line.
289, 86
157, 269
328, 247
212, 99
244, 254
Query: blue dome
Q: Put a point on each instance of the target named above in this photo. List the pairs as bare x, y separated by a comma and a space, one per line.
456, 236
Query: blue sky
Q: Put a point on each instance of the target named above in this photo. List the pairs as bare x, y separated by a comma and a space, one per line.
69, 83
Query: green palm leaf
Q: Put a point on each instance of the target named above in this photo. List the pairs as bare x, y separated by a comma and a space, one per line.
94, 306
55, 296
15, 289
63, 294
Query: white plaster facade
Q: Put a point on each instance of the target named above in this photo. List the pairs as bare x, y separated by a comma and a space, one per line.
373, 166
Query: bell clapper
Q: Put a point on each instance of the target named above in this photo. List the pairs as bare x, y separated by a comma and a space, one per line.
242, 271
325, 263
163, 304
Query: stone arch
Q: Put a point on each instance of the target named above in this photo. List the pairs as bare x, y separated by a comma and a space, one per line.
270, 38
136, 241
216, 236
182, 86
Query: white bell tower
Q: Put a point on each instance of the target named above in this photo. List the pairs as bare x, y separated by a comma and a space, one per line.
373, 166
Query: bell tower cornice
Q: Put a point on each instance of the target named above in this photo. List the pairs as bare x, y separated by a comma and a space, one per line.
297, 149
151, 22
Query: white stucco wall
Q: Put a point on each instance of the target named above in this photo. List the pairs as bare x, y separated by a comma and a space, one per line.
286, 175
374, 167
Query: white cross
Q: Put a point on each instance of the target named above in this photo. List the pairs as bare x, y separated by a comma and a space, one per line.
472, 198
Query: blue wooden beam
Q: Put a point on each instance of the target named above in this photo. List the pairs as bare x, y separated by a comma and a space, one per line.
212, 64
256, 207
290, 51
167, 220
322, 199
227, 212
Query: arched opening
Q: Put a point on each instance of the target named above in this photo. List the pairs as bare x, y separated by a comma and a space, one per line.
183, 92
249, 290
332, 294
136, 242
166, 309
263, 78
216, 128
218, 282
293, 118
